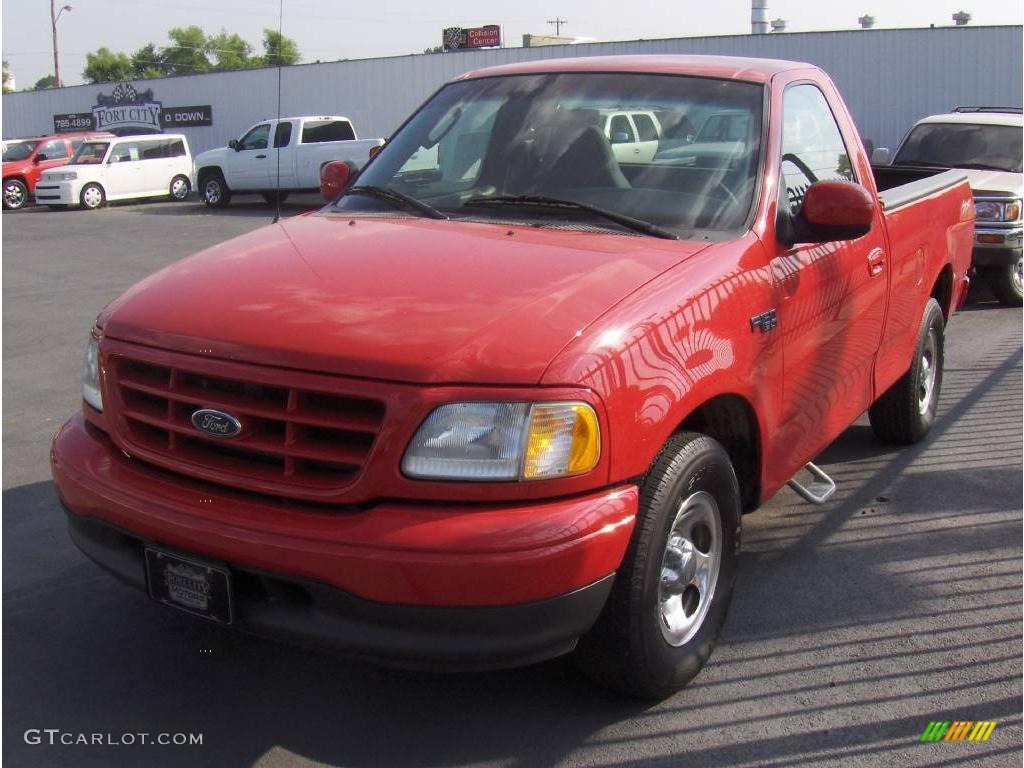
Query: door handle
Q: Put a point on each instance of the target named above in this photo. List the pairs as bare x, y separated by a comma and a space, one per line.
636, 151
261, 157
876, 262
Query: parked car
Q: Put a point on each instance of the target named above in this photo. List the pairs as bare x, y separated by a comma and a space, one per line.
125, 168
986, 143
25, 160
515, 406
634, 134
301, 147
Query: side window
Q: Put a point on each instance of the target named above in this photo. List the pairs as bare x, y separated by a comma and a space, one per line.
256, 138
812, 146
75, 144
283, 134
316, 131
176, 148
152, 150
645, 127
120, 153
621, 130
55, 150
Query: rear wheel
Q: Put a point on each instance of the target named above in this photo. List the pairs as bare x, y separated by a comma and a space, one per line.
180, 188
214, 190
675, 584
905, 413
1006, 283
15, 194
92, 197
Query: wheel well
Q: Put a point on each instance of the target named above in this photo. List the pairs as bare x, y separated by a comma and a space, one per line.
207, 171
731, 421
16, 177
942, 291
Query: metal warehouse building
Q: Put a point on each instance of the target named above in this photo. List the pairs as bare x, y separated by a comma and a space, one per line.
890, 78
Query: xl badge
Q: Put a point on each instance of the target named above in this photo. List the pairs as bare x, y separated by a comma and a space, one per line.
216, 423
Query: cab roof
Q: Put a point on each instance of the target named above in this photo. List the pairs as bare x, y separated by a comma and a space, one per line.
725, 67
977, 118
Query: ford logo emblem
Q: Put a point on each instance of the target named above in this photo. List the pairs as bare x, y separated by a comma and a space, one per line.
216, 423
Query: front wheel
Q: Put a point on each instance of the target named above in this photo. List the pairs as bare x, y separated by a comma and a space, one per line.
673, 590
906, 412
214, 190
1006, 283
180, 188
15, 194
92, 197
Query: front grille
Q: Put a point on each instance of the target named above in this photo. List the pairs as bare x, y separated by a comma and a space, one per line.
294, 442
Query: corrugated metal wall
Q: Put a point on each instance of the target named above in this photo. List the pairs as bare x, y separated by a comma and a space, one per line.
890, 78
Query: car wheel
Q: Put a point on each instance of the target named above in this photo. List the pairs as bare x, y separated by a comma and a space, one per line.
215, 191
673, 590
180, 188
905, 413
1006, 283
92, 197
273, 198
15, 194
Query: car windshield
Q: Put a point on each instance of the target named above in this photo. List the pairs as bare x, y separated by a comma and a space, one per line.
512, 147
19, 151
962, 145
90, 152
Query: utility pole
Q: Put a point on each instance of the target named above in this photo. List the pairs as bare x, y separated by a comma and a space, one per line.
556, 21
54, 15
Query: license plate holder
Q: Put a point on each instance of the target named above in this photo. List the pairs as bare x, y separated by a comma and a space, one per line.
190, 585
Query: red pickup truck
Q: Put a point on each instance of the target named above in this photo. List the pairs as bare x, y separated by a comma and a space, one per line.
507, 397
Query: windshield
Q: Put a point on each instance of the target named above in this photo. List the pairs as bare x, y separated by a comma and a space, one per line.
19, 151
549, 136
90, 152
962, 145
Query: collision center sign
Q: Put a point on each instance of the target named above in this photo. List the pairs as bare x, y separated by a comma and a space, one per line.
455, 38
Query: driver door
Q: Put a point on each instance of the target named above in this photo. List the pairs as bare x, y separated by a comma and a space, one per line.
248, 167
832, 296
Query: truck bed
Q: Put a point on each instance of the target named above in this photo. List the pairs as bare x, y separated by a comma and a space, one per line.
902, 185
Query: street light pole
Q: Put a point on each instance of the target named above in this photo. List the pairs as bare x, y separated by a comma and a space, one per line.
54, 15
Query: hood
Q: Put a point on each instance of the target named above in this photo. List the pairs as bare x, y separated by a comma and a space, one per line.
994, 181
16, 166
411, 300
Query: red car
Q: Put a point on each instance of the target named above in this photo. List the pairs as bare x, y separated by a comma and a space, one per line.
506, 396
24, 161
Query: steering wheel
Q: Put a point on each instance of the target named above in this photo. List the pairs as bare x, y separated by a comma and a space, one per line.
728, 193
801, 166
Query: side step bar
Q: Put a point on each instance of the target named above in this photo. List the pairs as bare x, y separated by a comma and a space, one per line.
820, 490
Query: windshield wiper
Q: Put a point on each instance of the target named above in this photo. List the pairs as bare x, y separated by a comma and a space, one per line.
637, 225
399, 198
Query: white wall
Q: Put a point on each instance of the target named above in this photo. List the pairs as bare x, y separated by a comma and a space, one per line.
889, 78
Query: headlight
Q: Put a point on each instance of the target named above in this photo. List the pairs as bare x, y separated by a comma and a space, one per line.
68, 176
505, 441
990, 210
91, 375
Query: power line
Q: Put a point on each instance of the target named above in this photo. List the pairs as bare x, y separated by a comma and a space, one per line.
558, 25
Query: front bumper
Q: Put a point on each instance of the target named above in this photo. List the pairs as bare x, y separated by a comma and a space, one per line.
413, 584
54, 193
996, 247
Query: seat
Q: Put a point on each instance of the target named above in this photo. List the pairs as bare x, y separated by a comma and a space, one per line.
588, 161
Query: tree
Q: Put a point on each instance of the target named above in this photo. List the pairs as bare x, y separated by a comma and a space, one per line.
45, 82
186, 55
435, 49
147, 64
103, 66
7, 78
231, 52
279, 49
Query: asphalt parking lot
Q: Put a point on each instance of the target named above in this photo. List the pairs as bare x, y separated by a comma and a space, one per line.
854, 623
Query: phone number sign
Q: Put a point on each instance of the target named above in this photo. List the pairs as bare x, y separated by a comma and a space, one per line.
75, 121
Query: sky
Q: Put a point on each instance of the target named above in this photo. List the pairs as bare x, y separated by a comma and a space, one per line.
328, 30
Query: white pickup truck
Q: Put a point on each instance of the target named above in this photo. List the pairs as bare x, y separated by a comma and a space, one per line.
290, 162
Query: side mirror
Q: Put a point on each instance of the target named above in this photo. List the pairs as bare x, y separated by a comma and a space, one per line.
881, 156
335, 178
832, 210
38, 159
233, 144
620, 137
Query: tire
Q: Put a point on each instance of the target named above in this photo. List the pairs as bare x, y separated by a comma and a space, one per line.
906, 412
15, 194
92, 197
1005, 282
180, 189
214, 190
659, 627
273, 198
